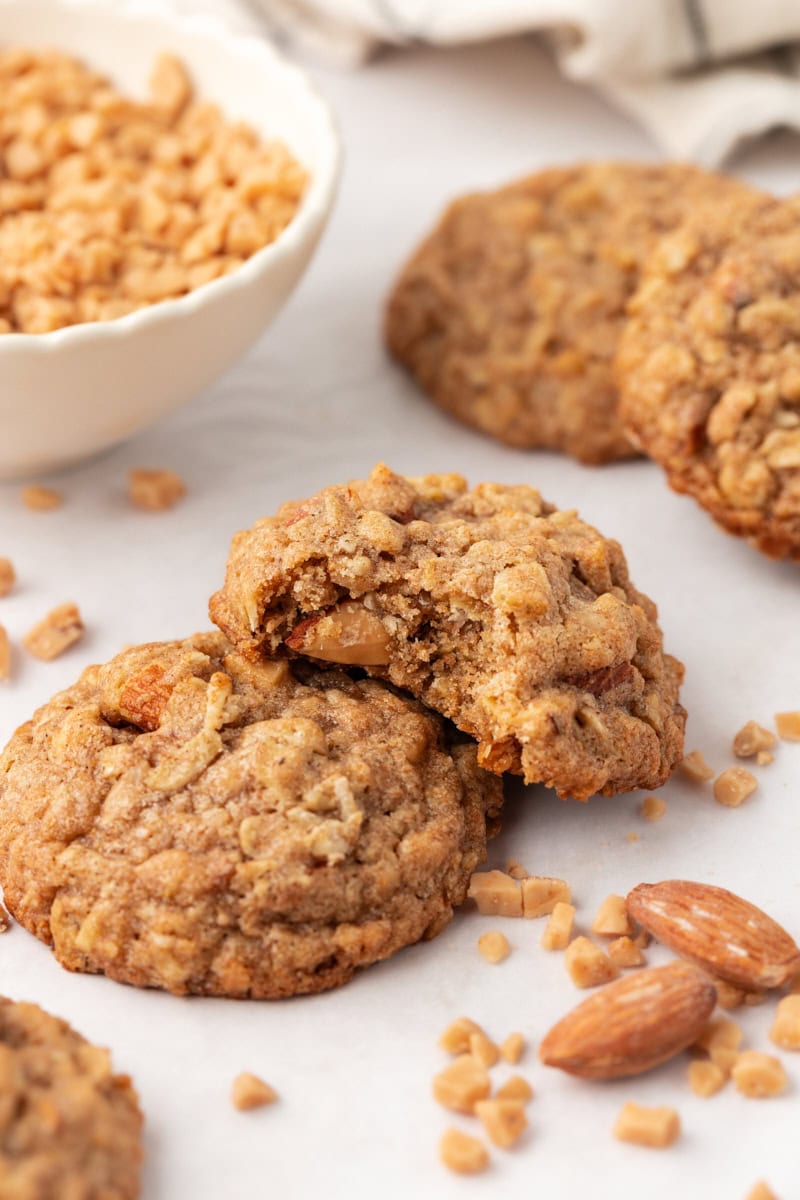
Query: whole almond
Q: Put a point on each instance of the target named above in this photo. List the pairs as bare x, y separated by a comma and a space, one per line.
718, 931
633, 1024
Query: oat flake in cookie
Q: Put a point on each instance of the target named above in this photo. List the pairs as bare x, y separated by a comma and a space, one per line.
69, 1127
709, 368
185, 818
516, 621
510, 312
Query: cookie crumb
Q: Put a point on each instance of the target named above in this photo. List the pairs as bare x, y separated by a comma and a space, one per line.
788, 726
654, 1127
633, 837
41, 499
728, 995
462, 1084
462, 1153
588, 966
653, 808
624, 952
154, 489
8, 576
558, 930
455, 1039
785, 1031
516, 870
5, 920
494, 946
721, 1040
706, 1078
483, 1049
248, 1091
753, 739
734, 786
540, 894
759, 1076
512, 1048
761, 1191
503, 1120
5, 655
515, 1088
496, 894
695, 767
55, 633
612, 918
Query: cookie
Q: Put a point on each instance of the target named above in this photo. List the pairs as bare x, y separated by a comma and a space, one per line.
69, 1127
509, 314
709, 368
516, 621
187, 819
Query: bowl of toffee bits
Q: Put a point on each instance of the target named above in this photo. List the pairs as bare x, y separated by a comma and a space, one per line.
163, 185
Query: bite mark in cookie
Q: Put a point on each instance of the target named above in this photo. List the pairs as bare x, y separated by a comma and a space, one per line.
516, 621
185, 818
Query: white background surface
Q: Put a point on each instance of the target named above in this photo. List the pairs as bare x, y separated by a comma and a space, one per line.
317, 403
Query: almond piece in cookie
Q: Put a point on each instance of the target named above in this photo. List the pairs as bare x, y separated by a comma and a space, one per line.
516, 621
349, 634
632, 1025
718, 931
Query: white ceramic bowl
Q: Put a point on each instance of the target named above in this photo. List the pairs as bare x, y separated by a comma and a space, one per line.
71, 393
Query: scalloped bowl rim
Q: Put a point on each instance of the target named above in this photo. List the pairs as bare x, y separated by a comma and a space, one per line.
313, 206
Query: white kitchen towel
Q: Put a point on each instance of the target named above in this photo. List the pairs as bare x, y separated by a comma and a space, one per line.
699, 75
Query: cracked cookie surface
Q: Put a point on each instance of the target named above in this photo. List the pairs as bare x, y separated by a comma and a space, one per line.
709, 368
510, 312
188, 819
516, 621
69, 1126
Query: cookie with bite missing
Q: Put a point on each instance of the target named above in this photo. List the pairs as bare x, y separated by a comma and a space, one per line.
516, 621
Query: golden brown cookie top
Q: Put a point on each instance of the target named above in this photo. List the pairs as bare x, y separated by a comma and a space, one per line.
515, 620
185, 818
68, 1125
709, 368
510, 312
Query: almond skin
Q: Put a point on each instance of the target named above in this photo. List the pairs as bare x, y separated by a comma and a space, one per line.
718, 931
632, 1025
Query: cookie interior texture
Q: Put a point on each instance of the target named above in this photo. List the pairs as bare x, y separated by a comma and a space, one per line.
709, 368
516, 621
510, 312
188, 819
69, 1127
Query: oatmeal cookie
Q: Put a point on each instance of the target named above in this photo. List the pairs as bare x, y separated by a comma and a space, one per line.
516, 621
510, 312
69, 1127
709, 368
185, 818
